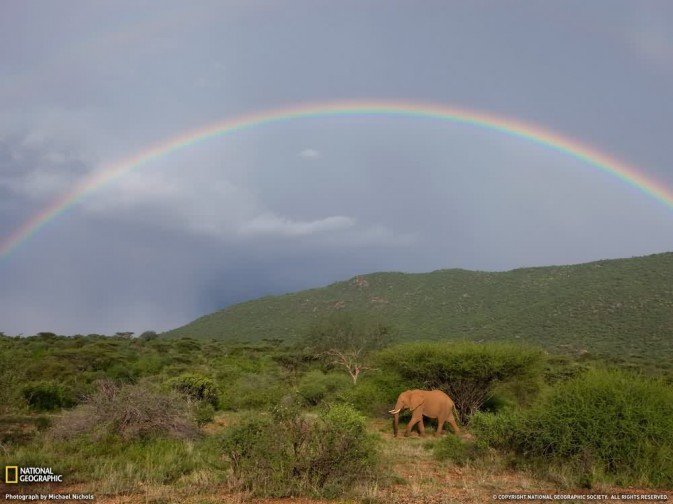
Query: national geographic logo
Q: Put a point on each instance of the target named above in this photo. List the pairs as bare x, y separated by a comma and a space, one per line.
11, 474
16, 474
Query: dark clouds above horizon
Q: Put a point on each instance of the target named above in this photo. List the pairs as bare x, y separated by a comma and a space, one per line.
302, 204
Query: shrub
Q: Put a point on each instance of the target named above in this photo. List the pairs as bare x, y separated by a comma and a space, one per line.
468, 372
495, 403
496, 430
11, 374
253, 391
48, 396
289, 453
601, 423
122, 373
376, 393
204, 413
316, 385
196, 387
455, 449
129, 412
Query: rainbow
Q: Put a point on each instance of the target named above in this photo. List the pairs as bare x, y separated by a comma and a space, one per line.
530, 132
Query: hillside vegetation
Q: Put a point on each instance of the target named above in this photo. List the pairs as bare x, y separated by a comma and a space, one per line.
621, 308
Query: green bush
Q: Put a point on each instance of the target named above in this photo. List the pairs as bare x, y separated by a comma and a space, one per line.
48, 396
315, 386
468, 372
602, 424
376, 393
495, 403
496, 429
196, 387
289, 453
455, 449
204, 413
253, 391
122, 373
11, 374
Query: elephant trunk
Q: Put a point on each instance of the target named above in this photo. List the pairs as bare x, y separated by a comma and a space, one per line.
396, 416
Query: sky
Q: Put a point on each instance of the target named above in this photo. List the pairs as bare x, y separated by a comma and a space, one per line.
301, 204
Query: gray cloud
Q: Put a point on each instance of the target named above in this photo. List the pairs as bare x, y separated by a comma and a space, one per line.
270, 224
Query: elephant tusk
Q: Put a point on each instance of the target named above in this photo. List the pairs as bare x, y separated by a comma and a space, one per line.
395, 411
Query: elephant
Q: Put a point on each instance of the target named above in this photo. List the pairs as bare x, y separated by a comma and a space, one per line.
429, 403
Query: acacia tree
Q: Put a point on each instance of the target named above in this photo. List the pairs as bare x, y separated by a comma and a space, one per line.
149, 335
345, 341
468, 372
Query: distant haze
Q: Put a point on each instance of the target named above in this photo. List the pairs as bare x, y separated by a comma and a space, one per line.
301, 204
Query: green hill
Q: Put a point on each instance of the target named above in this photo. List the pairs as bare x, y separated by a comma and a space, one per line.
615, 307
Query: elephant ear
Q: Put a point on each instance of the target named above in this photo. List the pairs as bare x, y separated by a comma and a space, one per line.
415, 401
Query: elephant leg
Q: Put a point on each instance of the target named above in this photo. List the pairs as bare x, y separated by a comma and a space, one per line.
421, 427
414, 420
454, 425
440, 425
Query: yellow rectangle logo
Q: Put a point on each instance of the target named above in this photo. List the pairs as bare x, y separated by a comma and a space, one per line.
11, 474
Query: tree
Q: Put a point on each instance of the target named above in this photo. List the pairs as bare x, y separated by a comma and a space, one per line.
467, 372
346, 341
149, 335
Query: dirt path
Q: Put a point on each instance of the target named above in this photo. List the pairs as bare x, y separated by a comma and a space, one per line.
425, 483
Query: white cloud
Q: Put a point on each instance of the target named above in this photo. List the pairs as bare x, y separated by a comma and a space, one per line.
219, 209
274, 225
309, 154
215, 208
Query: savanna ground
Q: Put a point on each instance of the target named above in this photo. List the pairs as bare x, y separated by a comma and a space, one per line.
416, 476
154, 420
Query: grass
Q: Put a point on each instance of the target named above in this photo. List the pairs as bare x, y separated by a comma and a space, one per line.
123, 467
